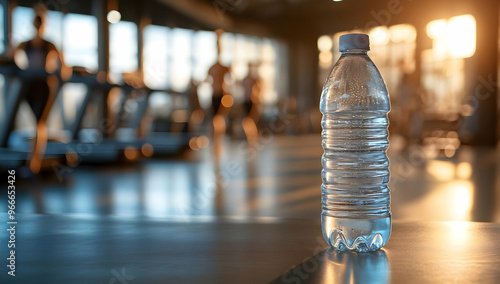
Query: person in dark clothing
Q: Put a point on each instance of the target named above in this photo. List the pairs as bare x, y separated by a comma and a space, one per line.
252, 88
219, 75
40, 92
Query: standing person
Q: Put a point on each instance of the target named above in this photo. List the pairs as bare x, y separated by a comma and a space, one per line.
197, 115
40, 92
218, 75
252, 89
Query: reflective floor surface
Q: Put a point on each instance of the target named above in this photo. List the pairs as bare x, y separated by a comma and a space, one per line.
105, 249
253, 216
277, 178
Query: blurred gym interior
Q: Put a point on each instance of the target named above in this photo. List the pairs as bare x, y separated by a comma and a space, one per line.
192, 113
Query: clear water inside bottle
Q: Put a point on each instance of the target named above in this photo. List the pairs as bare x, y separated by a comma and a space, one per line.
355, 196
361, 235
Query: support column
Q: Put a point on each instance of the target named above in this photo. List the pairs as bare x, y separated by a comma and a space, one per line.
6, 24
303, 58
485, 88
100, 11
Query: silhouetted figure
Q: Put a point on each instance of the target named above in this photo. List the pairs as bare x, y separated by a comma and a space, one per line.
251, 101
407, 108
218, 76
218, 73
197, 115
41, 56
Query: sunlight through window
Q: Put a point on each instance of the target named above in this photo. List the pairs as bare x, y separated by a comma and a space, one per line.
181, 61
122, 49
155, 56
80, 41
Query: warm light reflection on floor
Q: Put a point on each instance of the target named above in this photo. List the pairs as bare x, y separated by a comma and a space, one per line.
461, 197
441, 170
459, 235
464, 170
451, 201
279, 178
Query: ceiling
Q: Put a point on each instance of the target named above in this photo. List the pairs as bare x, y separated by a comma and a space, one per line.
262, 17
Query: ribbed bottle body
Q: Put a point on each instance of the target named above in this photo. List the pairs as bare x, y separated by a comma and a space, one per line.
355, 197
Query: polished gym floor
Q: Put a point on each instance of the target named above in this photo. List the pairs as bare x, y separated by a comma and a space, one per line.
279, 177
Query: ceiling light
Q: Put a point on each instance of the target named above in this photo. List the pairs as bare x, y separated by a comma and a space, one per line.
114, 16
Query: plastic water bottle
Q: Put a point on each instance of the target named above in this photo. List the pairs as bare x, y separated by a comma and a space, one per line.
356, 211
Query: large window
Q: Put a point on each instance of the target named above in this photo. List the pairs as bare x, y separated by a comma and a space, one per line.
73, 34
171, 57
204, 53
443, 72
80, 41
123, 56
227, 48
2, 78
156, 50
247, 50
23, 30
392, 49
180, 59
268, 70
2, 39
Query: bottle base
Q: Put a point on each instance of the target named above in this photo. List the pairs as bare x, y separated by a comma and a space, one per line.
360, 235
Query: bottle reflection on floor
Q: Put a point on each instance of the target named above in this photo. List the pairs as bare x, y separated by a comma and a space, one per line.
332, 266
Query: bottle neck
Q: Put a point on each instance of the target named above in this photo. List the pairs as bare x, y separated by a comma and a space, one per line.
354, 52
